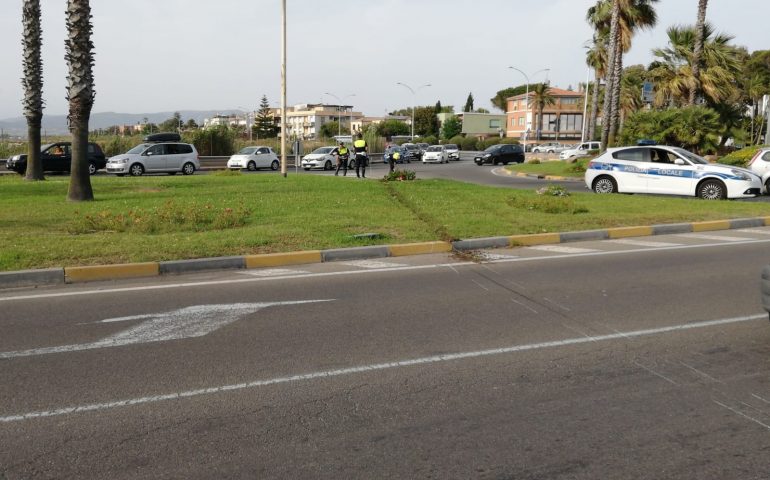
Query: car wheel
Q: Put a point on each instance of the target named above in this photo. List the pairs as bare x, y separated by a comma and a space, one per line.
252, 166
767, 187
605, 185
136, 170
274, 166
188, 168
712, 190
551, 151
351, 164
478, 162
91, 169
328, 165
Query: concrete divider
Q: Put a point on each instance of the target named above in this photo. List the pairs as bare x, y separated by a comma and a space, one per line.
176, 267
584, 235
711, 226
476, 243
110, 272
282, 259
32, 278
354, 253
625, 232
534, 239
419, 248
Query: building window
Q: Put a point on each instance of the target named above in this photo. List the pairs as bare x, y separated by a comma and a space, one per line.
494, 123
513, 122
571, 122
521, 121
569, 101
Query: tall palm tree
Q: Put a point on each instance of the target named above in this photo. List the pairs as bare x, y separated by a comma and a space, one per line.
80, 94
33, 85
698, 50
596, 58
542, 97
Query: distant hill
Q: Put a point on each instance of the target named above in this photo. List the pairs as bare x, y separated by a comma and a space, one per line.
57, 124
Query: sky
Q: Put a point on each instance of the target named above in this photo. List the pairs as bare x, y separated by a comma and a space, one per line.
168, 55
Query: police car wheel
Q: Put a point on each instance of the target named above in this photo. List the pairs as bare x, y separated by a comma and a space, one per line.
605, 185
712, 190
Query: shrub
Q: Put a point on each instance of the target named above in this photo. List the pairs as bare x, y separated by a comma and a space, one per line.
458, 140
580, 165
741, 158
430, 140
534, 161
547, 204
400, 176
553, 191
469, 143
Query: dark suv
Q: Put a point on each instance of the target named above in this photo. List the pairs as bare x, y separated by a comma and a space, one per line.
503, 153
57, 157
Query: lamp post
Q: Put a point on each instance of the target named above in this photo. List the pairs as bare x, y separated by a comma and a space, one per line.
283, 88
414, 94
339, 117
527, 95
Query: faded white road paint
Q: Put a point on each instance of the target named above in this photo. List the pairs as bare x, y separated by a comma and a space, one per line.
644, 243
378, 367
493, 257
561, 249
719, 238
273, 272
378, 264
188, 322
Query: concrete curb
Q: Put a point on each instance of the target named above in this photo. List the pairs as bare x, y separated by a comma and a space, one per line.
56, 276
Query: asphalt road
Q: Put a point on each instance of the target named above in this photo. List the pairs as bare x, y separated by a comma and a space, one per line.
633, 359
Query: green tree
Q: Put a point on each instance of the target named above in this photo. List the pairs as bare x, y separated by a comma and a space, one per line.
264, 123
693, 128
330, 129
541, 97
32, 81
452, 127
80, 94
482, 110
500, 100
425, 121
390, 128
468, 103
191, 124
172, 124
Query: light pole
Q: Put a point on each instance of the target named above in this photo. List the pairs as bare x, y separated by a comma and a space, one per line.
283, 88
527, 95
339, 117
414, 94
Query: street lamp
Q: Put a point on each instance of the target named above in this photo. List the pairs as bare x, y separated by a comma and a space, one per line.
283, 88
414, 94
527, 94
339, 117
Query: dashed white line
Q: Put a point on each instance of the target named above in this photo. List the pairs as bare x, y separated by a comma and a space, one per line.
561, 249
742, 414
719, 238
373, 264
643, 243
379, 367
273, 272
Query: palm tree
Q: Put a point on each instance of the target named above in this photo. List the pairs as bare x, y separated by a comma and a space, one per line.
596, 58
33, 85
80, 94
698, 49
542, 97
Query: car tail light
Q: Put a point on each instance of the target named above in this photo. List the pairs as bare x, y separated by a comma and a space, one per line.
755, 157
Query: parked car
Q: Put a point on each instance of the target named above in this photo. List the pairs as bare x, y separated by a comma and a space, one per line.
668, 170
760, 164
502, 153
452, 151
423, 148
57, 157
253, 158
582, 150
411, 151
548, 147
390, 150
324, 157
161, 157
435, 154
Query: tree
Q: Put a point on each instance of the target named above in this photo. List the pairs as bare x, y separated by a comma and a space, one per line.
191, 124
33, 85
80, 94
451, 128
390, 128
425, 121
172, 124
264, 124
698, 48
693, 128
330, 129
482, 110
500, 100
541, 97
468, 103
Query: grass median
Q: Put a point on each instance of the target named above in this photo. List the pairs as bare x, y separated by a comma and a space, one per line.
156, 218
558, 168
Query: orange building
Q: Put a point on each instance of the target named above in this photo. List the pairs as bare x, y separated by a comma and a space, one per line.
562, 121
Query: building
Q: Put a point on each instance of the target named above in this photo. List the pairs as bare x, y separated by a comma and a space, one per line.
562, 121
230, 120
305, 120
362, 122
483, 125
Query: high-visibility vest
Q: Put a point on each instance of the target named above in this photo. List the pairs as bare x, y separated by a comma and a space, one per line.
360, 145
343, 151
396, 156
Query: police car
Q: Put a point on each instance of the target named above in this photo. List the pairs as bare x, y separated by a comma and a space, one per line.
668, 170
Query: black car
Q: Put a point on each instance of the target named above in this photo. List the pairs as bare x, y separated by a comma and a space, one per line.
57, 157
503, 153
390, 150
411, 151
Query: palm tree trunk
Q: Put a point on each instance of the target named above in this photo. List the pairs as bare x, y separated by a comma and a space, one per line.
615, 108
698, 49
33, 86
80, 94
611, 79
591, 133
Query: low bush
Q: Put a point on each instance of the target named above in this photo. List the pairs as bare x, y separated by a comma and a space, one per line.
741, 158
400, 176
469, 143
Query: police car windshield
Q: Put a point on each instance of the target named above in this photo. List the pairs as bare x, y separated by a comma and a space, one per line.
323, 150
139, 148
691, 156
247, 151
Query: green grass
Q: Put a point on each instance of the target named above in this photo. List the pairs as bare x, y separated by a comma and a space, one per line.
165, 218
550, 167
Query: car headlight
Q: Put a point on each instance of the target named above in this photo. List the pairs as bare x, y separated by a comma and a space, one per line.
741, 175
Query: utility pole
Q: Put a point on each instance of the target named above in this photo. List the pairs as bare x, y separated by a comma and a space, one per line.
283, 88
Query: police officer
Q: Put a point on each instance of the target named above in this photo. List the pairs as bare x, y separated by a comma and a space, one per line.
359, 146
343, 154
393, 160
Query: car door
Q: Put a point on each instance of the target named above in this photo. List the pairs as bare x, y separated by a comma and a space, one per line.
155, 158
57, 158
629, 168
262, 157
665, 176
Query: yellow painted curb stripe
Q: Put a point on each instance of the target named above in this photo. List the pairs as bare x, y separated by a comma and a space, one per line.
419, 248
535, 239
110, 272
767, 221
709, 226
554, 177
624, 232
280, 259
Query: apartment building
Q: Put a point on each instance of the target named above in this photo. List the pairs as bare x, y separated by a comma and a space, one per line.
305, 120
562, 121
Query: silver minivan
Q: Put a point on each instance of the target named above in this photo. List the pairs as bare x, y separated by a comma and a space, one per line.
162, 157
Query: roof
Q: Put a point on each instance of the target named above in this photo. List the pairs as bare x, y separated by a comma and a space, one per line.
555, 92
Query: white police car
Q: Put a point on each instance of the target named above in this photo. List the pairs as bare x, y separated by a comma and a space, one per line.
668, 170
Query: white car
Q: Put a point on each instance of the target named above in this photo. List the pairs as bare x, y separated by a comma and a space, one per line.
582, 150
435, 154
452, 151
160, 157
550, 147
668, 170
324, 157
760, 164
252, 158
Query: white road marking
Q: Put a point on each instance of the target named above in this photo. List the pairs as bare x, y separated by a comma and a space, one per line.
493, 257
655, 373
379, 367
763, 399
188, 322
753, 230
703, 374
732, 410
272, 272
644, 243
373, 264
480, 285
207, 283
719, 238
561, 249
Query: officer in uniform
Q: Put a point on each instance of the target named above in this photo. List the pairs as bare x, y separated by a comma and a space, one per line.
359, 146
343, 154
393, 160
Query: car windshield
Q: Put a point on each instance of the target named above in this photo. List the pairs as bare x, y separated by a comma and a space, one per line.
139, 148
247, 151
493, 148
451, 147
691, 156
323, 150
46, 147
409, 147
434, 149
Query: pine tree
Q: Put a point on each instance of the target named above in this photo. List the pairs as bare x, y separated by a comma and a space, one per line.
264, 124
469, 103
